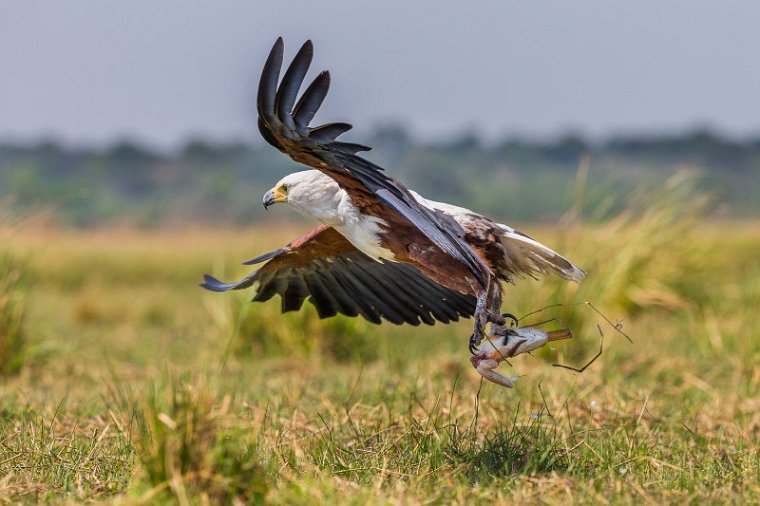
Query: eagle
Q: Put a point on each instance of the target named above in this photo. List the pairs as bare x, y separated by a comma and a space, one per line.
381, 251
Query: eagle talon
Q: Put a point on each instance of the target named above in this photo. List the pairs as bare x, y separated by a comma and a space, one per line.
515, 320
475, 339
473, 346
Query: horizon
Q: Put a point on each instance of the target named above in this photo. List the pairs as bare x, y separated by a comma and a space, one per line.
598, 142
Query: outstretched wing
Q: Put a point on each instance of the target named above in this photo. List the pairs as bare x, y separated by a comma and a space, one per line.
338, 278
284, 123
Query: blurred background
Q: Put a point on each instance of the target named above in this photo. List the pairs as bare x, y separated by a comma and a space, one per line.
143, 114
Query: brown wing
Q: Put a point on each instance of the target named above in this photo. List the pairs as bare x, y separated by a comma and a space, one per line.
284, 123
338, 278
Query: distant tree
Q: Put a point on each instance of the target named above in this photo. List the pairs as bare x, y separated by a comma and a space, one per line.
568, 148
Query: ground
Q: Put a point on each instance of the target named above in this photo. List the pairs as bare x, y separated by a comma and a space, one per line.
138, 386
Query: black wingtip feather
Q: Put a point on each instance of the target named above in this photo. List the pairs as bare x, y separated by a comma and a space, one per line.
291, 83
268, 82
328, 132
311, 100
213, 284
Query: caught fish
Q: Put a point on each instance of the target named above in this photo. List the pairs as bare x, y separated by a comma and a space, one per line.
510, 342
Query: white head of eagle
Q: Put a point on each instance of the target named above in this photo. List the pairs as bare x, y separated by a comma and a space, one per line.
309, 192
317, 195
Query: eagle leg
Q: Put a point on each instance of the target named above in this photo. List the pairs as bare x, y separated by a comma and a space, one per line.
494, 302
481, 320
487, 310
496, 318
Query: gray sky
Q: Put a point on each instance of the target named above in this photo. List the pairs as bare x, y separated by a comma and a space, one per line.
89, 71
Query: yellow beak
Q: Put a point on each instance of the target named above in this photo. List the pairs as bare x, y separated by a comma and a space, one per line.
274, 196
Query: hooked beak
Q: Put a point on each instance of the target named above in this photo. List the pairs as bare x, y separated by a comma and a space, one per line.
268, 199
272, 197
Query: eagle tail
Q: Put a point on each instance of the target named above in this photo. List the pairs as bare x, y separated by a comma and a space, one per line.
529, 256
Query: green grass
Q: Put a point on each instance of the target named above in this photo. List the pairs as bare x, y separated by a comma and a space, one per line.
146, 389
13, 340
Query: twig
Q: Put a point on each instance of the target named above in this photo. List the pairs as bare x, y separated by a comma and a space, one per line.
617, 326
543, 398
601, 349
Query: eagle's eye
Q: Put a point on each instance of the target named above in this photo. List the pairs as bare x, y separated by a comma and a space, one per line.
284, 188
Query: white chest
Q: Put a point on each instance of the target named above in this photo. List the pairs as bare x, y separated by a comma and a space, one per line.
332, 206
361, 231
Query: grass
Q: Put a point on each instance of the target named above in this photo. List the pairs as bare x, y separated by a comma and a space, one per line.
13, 341
146, 389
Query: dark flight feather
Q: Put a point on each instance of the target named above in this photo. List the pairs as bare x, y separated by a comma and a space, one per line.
291, 83
349, 147
349, 283
268, 82
328, 132
311, 100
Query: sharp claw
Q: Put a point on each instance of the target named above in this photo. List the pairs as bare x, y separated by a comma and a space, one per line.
473, 347
515, 320
476, 337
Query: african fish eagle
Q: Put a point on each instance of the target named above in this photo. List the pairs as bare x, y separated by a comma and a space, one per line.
382, 250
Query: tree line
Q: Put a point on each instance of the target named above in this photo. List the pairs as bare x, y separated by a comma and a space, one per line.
514, 179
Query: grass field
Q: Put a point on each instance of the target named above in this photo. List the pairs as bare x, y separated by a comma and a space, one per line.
134, 385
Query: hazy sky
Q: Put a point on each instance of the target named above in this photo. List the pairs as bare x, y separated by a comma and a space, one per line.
160, 70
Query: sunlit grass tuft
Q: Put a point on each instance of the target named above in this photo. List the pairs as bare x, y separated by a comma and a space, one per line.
46, 455
13, 333
187, 447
